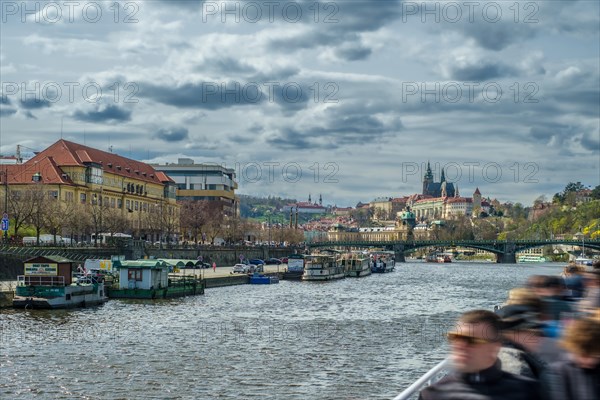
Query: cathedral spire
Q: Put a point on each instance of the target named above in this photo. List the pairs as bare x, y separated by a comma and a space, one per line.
443, 177
320, 200
309, 198
456, 191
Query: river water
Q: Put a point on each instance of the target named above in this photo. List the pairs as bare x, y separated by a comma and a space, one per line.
365, 338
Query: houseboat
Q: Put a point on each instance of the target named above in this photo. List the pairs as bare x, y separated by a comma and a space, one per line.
355, 264
382, 262
150, 279
54, 282
295, 267
322, 267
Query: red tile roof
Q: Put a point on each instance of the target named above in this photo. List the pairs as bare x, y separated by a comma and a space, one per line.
67, 154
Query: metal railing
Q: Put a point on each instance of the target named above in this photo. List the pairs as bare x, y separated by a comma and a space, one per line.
26, 280
433, 375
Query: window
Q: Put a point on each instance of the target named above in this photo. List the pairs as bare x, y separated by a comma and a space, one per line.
53, 194
134, 274
82, 198
94, 175
119, 203
128, 205
112, 202
136, 206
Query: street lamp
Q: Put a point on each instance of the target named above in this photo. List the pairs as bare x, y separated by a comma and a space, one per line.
5, 173
269, 246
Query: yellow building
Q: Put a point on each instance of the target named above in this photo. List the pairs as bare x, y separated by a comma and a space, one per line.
94, 191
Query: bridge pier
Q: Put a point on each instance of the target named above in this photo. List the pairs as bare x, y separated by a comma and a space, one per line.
399, 253
509, 255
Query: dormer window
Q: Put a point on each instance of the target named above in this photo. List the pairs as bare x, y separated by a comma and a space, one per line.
127, 169
119, 167
143, 173
109, 165
137, 172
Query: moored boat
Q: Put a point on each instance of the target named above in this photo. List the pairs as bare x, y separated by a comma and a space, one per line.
259, 279
356, 265
149, 279
295, 267
52, 282
382, 262
322, 267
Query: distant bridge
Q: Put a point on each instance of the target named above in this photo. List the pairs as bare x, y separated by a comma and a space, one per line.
505, 250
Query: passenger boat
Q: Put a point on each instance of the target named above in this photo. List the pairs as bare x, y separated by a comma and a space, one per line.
438, 258
322, 267
356, 265
583, 260
531, 259
295, 267
52, 282
382, 262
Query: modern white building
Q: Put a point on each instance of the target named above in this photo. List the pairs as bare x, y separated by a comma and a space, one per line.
211, 182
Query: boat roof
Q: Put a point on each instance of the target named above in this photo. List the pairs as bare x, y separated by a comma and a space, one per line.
147, 264
180, 262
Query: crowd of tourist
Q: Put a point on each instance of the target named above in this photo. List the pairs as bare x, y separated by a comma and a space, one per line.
544, 343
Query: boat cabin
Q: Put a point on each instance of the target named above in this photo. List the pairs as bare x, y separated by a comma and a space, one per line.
47, 271
142, 274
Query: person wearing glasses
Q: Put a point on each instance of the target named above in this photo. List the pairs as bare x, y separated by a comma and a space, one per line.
477, 373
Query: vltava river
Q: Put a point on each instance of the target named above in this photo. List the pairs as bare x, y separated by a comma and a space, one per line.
365, 338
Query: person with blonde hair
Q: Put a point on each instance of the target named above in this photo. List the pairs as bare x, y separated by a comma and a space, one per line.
577, 377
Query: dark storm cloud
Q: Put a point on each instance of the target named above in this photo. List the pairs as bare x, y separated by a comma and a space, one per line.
34, 103
226, 66
341, 126
353, 52
482, 71
589, 142
29, 115
289, 95
7, 112
172, 134
340, 24
103, 114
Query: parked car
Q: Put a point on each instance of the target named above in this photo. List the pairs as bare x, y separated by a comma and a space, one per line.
273, 261
256, 261
240, 269
284, 260
206, 265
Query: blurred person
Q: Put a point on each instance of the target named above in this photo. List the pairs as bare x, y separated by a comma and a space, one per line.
555, 307
591, 298
573, 278
525, 350
477, 373
577, 377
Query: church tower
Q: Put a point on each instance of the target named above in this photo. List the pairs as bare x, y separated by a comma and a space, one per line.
476, 202
427, 179
309, 198
320, 200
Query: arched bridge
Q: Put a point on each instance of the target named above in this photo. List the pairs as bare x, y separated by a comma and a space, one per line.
505, 250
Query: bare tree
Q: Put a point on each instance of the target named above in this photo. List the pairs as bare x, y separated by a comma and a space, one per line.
20, 207
193, 216
37, 218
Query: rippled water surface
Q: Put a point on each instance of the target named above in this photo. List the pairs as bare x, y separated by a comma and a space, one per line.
365, 338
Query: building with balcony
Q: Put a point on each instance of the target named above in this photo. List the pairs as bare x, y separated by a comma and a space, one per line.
210, 182
98, 190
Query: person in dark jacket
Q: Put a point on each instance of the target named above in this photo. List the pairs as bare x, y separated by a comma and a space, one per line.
478, 375
578, 376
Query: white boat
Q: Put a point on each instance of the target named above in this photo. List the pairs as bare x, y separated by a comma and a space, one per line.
356, 265
531, 259
322, 267
582, 260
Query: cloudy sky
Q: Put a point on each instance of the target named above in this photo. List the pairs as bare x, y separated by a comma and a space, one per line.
349, 99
